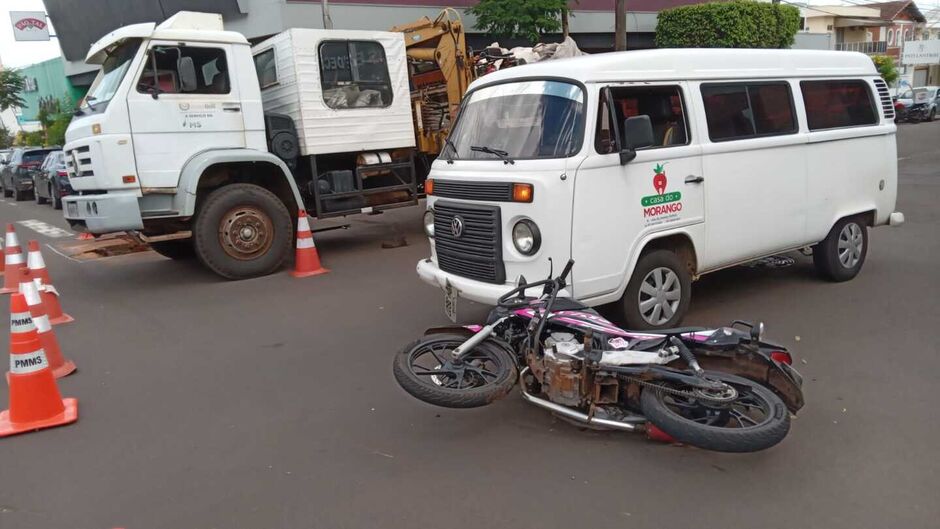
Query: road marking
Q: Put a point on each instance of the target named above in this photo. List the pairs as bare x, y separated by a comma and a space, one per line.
45, 229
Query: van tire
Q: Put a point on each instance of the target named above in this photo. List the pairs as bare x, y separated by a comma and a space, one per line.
832, 265
242, 206
653, 265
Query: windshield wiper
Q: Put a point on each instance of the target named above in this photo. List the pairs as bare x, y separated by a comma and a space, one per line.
503, 155
453, 150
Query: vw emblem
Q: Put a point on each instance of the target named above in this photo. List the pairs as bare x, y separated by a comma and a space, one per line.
456, 227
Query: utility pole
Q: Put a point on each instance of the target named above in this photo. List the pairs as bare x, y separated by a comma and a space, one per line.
620, 25
327, 21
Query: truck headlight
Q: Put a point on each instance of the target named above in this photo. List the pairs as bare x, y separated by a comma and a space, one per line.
429, 223
526, 237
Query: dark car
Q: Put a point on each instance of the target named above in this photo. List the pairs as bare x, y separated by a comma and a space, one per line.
16, 179
51, 180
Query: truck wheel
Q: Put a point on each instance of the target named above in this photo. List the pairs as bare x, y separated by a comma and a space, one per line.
658, 294
179, 249
840, 256
242, 231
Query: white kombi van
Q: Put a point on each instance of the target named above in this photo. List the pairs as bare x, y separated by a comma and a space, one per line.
651, 168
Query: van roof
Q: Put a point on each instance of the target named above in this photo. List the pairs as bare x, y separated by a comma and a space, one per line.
693, 63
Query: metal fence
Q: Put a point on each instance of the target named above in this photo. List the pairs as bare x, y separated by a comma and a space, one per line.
864, 47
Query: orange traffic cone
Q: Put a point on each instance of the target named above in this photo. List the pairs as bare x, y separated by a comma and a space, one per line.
36, 264
35, 401
50, 300
3, 261
307, 260
14, 263
47, 338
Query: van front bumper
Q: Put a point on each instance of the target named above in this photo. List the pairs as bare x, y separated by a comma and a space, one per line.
106, 213
486, 293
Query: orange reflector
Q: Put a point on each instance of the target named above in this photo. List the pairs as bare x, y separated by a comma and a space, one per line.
96, 128
522, 192
429, 186
129, 179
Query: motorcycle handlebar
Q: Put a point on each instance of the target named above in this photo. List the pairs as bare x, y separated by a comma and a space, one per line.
558, 283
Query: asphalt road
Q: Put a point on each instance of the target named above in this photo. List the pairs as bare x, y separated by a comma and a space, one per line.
270, 403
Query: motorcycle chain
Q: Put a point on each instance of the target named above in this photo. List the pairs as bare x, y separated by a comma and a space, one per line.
673, 391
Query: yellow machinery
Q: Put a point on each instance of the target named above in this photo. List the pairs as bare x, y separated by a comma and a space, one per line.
440, 72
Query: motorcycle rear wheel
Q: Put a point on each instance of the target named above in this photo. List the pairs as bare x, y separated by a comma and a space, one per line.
756, 419
425, 369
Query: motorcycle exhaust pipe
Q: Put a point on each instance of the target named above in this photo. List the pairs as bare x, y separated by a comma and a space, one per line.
633, 423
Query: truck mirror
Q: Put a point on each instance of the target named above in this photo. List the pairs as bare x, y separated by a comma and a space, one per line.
637, 133
187, 74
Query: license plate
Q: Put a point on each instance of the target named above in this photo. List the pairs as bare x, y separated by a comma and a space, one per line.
450, 302
73, 209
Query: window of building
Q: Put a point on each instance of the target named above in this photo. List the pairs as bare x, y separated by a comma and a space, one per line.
748, 110
162, 71
890, 37
662, 104
354, 74
834, 104
266, 68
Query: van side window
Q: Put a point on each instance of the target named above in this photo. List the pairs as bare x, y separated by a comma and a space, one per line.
748, 110
208, 64
835, 104
663, 105
354, 74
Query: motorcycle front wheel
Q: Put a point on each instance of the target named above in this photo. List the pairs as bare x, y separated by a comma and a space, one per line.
746, 417
426, 369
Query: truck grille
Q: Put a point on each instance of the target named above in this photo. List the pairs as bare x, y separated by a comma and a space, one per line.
490, 191
477, 252
83, 155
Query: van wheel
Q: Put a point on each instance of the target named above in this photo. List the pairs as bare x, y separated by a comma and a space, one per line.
659, 291
242, 231
840, 256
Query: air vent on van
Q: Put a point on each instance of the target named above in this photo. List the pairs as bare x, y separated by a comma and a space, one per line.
886, 103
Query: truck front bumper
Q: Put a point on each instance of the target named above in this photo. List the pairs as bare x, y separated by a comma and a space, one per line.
108, 213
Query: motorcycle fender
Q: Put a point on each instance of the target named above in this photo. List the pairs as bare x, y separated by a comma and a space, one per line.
758, 369
460, 330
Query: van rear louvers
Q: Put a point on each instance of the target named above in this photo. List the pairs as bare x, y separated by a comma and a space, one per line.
885, 97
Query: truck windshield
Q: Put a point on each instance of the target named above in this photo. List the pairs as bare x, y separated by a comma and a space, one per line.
519, 121
109, 78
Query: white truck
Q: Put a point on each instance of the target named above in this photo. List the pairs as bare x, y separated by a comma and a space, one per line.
197, 143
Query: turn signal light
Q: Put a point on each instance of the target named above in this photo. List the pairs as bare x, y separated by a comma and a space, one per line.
96, 128
129, 179
429, 186
522, 193
782, 356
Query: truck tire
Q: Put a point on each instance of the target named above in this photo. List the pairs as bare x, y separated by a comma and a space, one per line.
242, 231
658, 294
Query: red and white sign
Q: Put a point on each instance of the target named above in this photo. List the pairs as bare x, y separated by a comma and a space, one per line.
29, 25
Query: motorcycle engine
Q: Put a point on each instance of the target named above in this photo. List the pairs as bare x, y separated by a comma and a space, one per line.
562, 373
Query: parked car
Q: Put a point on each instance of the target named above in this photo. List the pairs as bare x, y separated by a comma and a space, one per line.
927, 96
5, 155
51, 180
16, 179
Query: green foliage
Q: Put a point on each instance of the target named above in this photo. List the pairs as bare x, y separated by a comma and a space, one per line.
55, 132
526, 19
6, 139
886, 68
735, 24
29, 139
12, 84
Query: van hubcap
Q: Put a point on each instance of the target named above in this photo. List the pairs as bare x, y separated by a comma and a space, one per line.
851, 244
660, 293
245, 233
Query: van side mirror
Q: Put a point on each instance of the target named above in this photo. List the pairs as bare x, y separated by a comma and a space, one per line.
637, 132
187, 73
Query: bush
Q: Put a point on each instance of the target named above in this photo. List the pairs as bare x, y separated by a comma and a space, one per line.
886, 68
55, 132
525, 19
735, 24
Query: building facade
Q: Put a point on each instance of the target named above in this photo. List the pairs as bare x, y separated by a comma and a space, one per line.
46, 86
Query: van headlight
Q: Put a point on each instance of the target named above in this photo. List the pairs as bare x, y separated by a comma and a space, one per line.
526, 237
429, 223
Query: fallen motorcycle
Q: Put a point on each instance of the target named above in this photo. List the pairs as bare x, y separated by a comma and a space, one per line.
721, 389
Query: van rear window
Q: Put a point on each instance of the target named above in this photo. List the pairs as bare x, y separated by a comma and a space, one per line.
748, 110
836, 104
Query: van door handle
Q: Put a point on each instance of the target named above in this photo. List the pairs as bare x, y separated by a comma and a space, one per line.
231, 107
693, 179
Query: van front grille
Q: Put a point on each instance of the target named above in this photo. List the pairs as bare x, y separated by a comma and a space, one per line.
490, 191
476, 252
886, 103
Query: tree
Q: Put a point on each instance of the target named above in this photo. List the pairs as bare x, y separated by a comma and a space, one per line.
12, 84
735, 24
886, 68
6, 139
525, 19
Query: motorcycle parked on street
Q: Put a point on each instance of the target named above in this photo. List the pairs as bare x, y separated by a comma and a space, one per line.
720, 389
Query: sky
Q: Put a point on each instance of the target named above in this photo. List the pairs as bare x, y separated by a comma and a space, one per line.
18, 54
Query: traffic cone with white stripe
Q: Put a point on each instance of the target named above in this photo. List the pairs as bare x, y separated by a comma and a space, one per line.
35, 401
14, 263
2, 261
307, 260
36, 264
50, 344
50, 296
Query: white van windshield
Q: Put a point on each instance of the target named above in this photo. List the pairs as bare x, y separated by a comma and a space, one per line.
523, 120
112, 73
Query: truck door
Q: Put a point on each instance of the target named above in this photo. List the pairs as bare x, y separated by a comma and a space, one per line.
185, 101
617, 206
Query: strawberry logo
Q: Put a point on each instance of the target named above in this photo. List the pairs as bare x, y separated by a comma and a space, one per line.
659, 180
